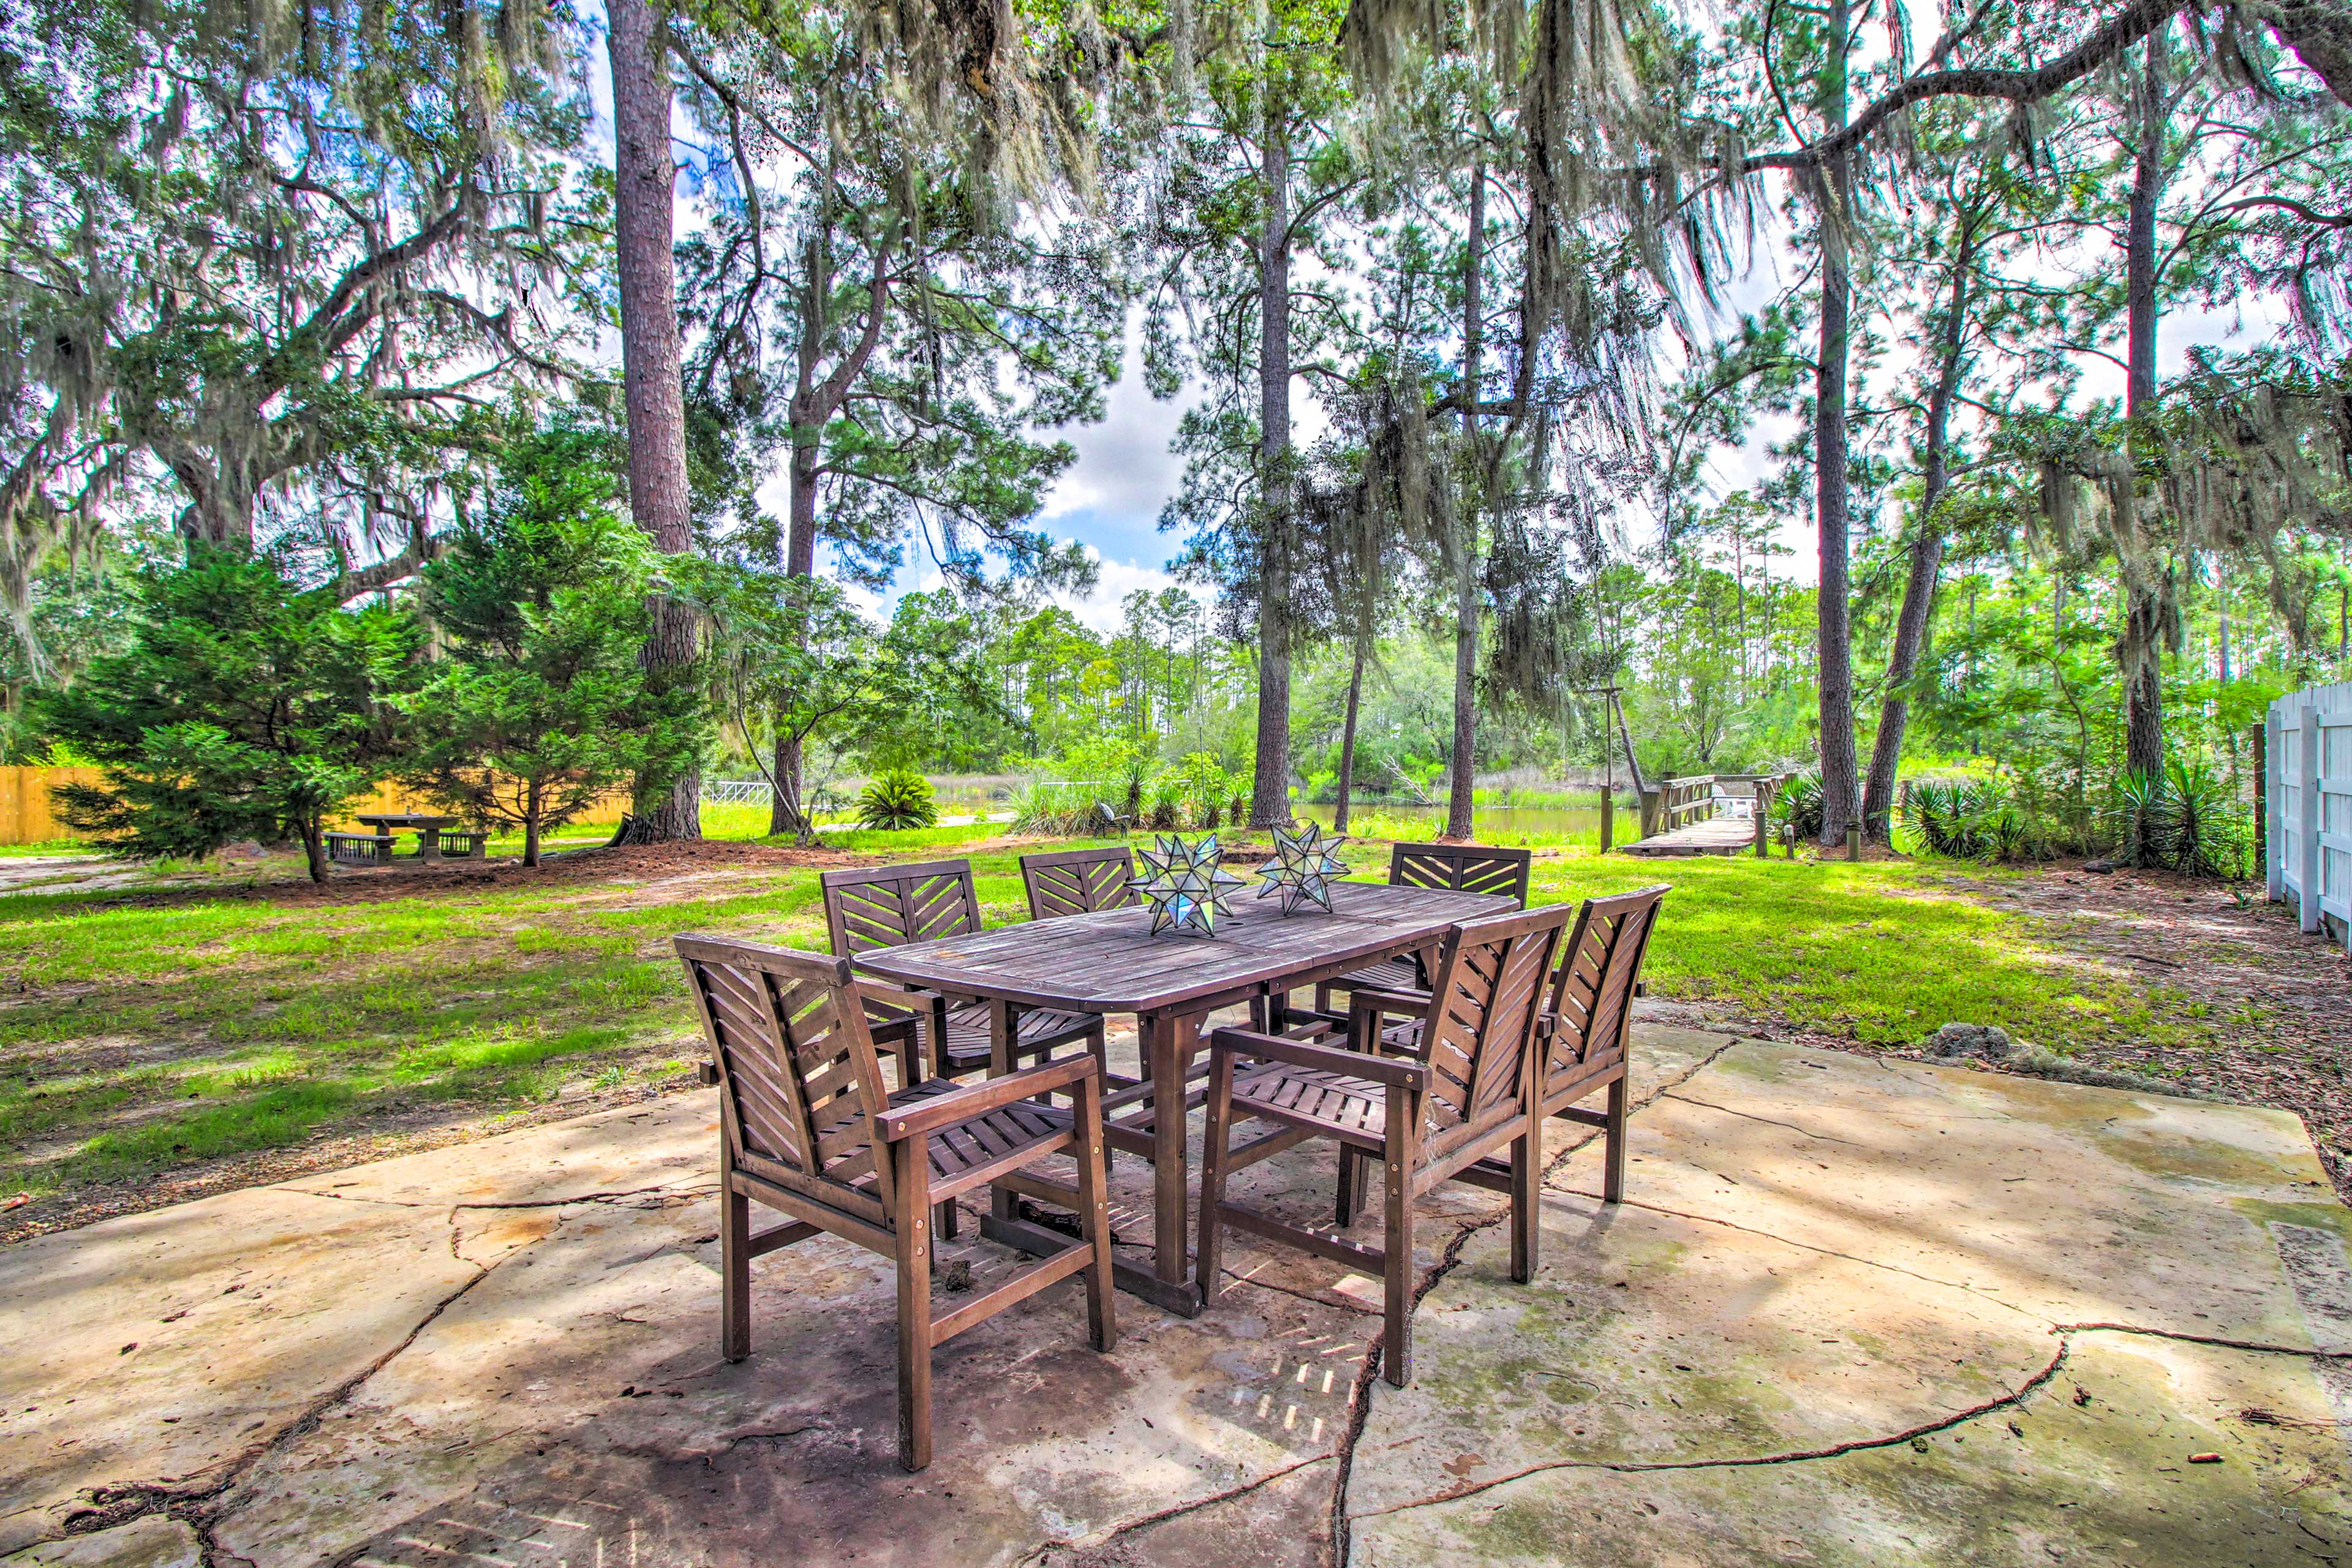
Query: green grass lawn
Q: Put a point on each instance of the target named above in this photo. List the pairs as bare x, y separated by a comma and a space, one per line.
138, 1034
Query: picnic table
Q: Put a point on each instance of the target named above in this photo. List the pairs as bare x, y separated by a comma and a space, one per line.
1104, 963
426, 826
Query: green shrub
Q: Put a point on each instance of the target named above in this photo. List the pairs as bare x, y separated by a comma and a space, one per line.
1206, 788
1069, 810
1798, 805
1166, 812
896, 799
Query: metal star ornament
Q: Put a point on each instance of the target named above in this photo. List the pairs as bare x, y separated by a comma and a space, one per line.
1185, 886
1303, 867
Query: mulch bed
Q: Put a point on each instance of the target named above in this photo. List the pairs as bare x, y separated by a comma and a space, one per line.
413, 880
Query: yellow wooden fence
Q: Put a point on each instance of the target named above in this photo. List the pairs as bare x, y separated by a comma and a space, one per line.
27, 816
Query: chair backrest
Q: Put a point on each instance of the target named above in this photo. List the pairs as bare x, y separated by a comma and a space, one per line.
889, 906
1593, 994
1460, 867
799, 1086
1485, 996
1077, 881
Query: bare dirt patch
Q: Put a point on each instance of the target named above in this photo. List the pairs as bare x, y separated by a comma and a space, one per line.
571, 867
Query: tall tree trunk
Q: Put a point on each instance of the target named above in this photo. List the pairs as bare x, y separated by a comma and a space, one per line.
314, 846
1270, 787
1460, 796
530, 814
2140, 652
1348, 737
788, 808
1927, 552
651, 366
1833, 189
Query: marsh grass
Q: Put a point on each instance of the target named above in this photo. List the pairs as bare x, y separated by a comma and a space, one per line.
146, 1033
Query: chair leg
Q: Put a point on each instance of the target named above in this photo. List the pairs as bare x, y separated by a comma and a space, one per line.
945, 1224
1344, 1212
1396, 1344
1099, 1046
734, 1268
910, 1159
1094, 1211
1526, 1198
1209, 1263
1612, 1179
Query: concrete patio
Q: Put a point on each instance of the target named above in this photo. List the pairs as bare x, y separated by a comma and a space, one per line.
1854, 1312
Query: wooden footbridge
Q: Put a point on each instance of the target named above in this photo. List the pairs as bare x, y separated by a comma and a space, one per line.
1712, 814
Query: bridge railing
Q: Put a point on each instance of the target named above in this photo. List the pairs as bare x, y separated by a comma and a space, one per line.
1677, 803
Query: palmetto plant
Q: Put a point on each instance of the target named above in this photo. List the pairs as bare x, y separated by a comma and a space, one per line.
1799, 807
898, 798
1972, 819
2188, 820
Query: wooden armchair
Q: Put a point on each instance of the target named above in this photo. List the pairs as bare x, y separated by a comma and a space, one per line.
1077, 881
1581, 1038
1469, 1095
869, 907
807, 1127
1457, 868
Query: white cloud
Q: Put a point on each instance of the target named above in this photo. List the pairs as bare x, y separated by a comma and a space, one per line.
1100, 609
1124, 471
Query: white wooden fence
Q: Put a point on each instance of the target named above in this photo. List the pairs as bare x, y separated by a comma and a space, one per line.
2307, 789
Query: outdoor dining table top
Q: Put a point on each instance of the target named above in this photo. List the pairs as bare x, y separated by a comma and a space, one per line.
391, 819
1107, 963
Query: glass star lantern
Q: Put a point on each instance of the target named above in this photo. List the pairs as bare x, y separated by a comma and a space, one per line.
1303, 867
1183, 886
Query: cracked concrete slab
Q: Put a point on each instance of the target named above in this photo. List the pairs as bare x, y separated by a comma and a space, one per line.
2090, 1466
154, 1541
1842, 1321
2071, 1204
164, 1347
631, 1148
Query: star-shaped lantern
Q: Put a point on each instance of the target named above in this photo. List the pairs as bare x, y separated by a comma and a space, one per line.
1185, 886
1302, 868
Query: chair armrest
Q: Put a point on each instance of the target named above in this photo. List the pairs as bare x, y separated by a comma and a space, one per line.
1387, 1070
963, 1104
893, 998
1412, 1004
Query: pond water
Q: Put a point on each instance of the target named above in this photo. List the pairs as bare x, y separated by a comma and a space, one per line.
1577, 822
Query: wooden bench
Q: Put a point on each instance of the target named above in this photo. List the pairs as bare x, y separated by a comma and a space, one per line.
360, 848
455, 843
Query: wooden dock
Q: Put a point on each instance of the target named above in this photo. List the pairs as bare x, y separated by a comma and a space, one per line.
1716, 836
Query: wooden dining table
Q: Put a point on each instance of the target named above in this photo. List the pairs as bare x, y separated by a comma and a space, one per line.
1107, 963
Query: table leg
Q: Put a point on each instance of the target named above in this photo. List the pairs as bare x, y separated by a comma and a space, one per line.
1000, 1026
428, 845
1168, 1044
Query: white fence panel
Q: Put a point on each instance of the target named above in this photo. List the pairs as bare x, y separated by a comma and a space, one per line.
2307, 786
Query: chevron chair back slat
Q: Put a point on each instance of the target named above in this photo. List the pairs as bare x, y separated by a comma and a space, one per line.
867, 907
1460, 867
1077, 881
799, 1083
1487, 994
1592, 990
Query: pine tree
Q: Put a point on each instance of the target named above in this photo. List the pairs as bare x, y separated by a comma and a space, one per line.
245, 707
542, 702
